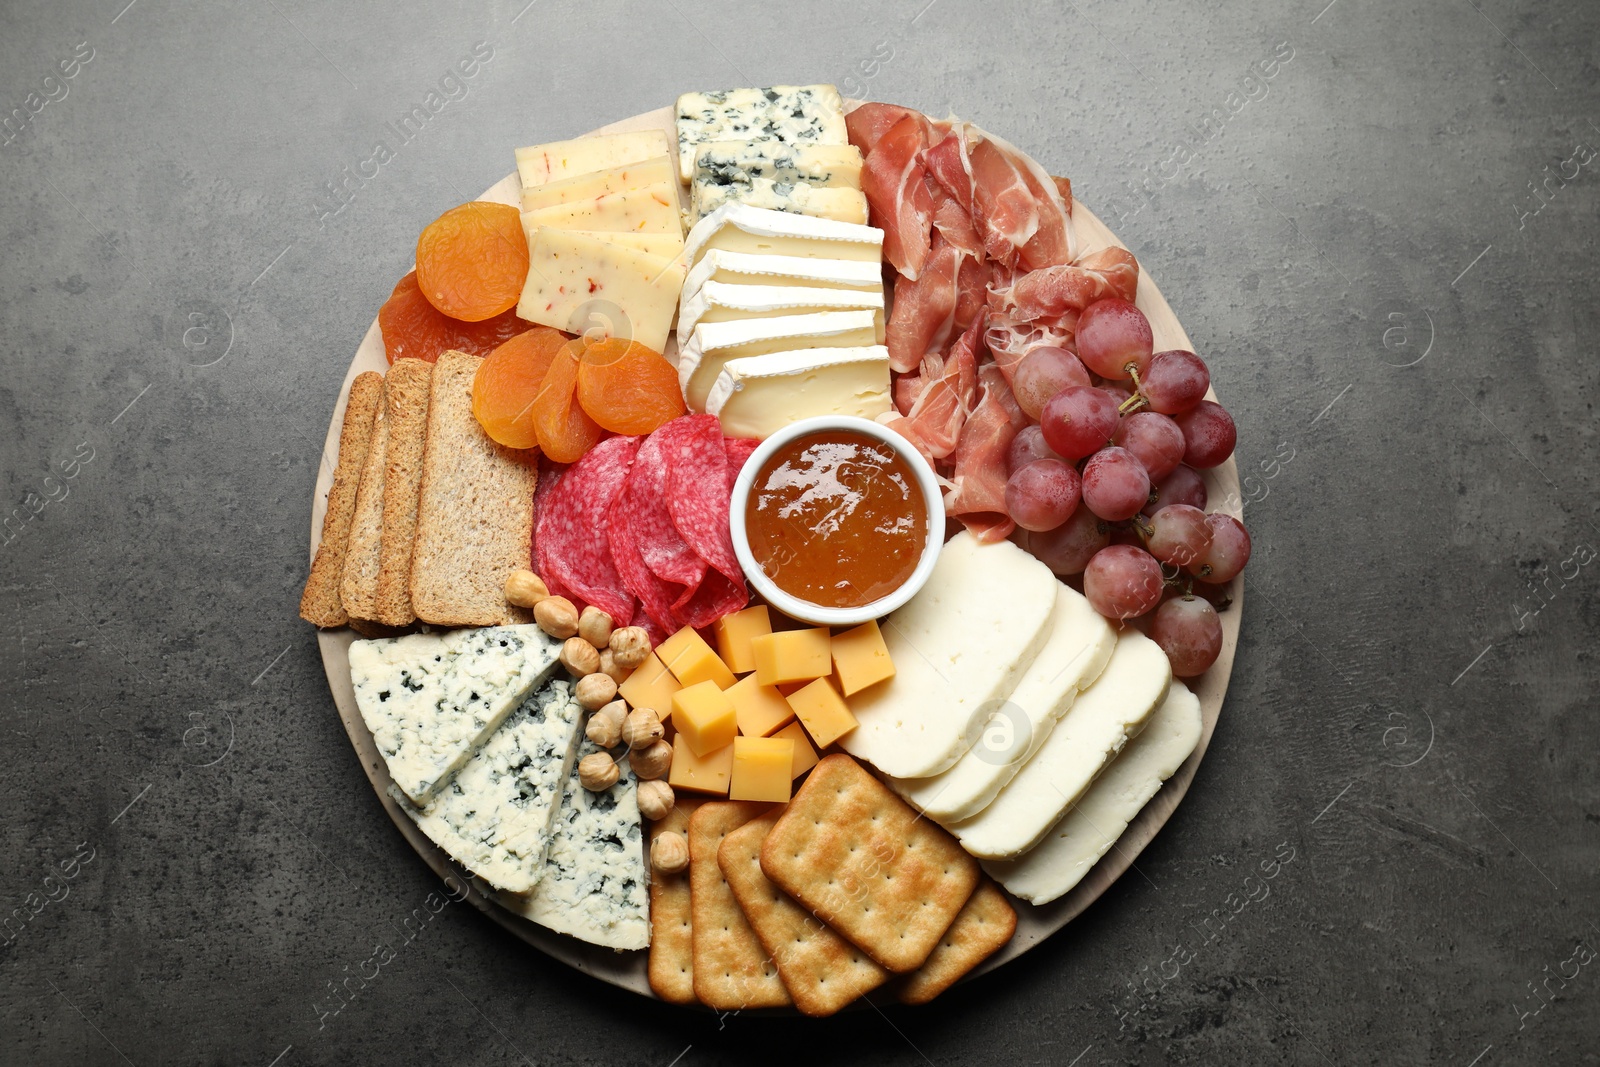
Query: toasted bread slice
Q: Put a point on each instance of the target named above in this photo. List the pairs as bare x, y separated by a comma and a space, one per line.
405, 411
474, 510
359, 588
320, 602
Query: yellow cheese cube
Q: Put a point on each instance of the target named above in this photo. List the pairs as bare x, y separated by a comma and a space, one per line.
860, 658
650, 685
761, 768
759, 708
704, 716
700, 774
822, 711
734, 633
805, 757
691, 660
792, 655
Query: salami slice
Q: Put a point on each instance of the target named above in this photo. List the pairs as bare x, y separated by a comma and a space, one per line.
643, 620
715, 598
738, 450
655, 596
574, 536
664, 550
549, 478
697, 493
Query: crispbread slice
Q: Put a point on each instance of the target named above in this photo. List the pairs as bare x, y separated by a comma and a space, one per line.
986, 922
320, 602
405, 407
866, 864
359, 588
731, 969
821, 970
474, 509
671, 939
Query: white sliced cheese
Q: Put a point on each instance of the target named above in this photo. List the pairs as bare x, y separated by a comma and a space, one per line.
842, 205
595, 886
713, 344
496, 814
1080, 645
960, 647
793, 114
760, 231
723, 302
740, 162
649, 210
1084, 742
657, 171
748, 269
577, 282
1075, 844
542, 163
431, 699
760, 395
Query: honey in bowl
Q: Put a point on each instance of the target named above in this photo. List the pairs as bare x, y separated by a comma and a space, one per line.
836, 518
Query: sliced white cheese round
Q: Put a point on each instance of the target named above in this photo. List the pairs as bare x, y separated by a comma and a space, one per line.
760, 395
713, 344
761, 231
725, 302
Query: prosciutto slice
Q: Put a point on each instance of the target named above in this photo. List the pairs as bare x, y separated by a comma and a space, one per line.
977, 495
1050, 294
946, 392
902, 206
869, 122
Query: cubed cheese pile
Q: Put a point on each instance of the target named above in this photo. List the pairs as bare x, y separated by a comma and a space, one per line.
746, 718
604, 235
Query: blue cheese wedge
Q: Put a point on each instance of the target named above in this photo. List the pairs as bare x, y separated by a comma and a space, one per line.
740, 162
431, 699
595, 885
495, 816
793, 114
841, 205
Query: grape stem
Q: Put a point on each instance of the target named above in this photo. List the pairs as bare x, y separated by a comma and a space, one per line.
1137, 400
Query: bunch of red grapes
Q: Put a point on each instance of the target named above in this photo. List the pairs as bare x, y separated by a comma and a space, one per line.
1108, 484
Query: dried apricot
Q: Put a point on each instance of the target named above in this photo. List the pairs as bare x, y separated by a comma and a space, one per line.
473, 260
565, 432
414, 329
628, 388
507, 383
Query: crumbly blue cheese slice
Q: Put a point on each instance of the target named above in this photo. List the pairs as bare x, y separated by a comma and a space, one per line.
842, 205
431, 699
741, 162
595, 885
794, 114
496, 814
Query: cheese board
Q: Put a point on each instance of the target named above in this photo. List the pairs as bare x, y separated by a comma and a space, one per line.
630, 969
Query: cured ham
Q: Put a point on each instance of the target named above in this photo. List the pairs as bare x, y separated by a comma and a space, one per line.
923, 317
1049, 294
978, 487
946, 393
1004, 208
902, 206
869, 122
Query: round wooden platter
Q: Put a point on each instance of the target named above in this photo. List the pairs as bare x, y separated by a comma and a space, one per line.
627, 969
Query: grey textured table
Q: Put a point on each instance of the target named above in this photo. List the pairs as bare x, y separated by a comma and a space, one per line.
1377, 221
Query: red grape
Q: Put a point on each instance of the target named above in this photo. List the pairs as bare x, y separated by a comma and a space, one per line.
1208, 434
1117, 391
1179, 534
1154, 440
1068, 548
1042, 494
1115, 485
1176, 381
1227, 554
1111, 334
1044, 372
1027, 446
1183, 486
1078, 420
1189, 632
1122, 582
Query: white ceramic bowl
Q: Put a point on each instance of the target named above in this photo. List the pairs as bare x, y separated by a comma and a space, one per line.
804, 610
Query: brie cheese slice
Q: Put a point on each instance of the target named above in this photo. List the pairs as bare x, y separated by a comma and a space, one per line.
713, 344
760, 395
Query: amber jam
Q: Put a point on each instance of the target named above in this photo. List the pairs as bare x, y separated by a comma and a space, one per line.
836, 518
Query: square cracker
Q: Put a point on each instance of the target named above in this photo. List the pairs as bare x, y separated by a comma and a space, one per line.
320, 602
731, 969
986, 923
860, 859
671, 967
821, 970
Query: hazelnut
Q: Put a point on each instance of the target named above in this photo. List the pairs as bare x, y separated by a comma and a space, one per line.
598, 771
610, 668
630, 645
579, 657
525, 589
642, 727
605, 725
669, 852
656, 800
594, 691
594, 626
652, 760
556, 616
